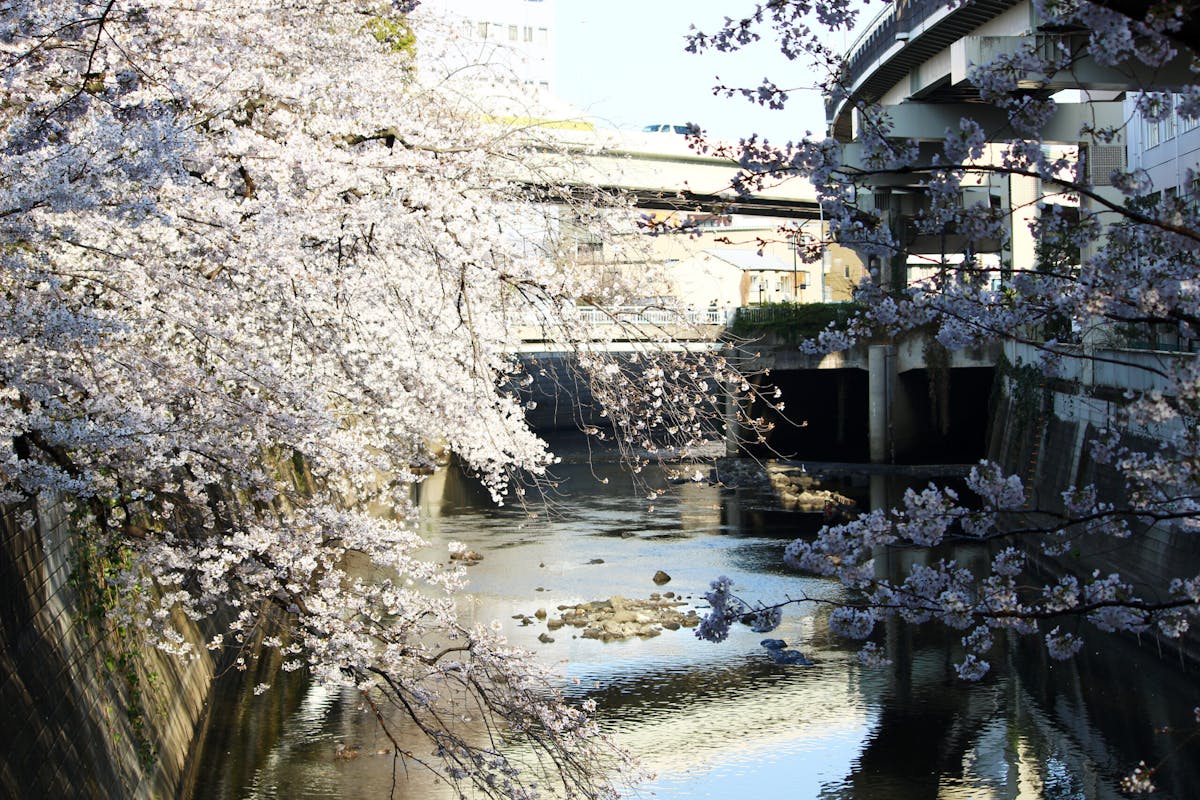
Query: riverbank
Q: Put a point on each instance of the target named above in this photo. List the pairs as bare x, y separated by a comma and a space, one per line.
88, 710
729, 719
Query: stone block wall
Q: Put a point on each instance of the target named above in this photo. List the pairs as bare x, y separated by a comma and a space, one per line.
85, 710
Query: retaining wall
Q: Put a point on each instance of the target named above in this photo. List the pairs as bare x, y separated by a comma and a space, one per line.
1043, 432
85, 711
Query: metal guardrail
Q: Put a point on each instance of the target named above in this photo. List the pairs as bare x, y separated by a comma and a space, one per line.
649, 315
894, 21
762, 315
877, 38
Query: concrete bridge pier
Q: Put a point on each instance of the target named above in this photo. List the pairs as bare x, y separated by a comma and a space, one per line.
735, 407
880, 366
879, 493
842, 410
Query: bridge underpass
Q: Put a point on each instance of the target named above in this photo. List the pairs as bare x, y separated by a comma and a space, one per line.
827, 416
870, 404
874, 403
559, 398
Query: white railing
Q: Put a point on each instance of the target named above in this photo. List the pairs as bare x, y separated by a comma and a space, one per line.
649, 315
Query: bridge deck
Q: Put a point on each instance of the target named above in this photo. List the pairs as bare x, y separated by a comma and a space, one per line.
658, 171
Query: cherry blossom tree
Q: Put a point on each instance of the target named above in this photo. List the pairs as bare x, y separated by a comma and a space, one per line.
263, 264
1124, 258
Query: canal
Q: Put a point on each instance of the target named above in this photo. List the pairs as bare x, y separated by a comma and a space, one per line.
723, 720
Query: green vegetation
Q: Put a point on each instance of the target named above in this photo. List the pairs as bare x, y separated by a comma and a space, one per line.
792, 321
96, 568
395, 33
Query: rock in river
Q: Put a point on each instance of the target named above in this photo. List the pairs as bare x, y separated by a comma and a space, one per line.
620, 618
468, 557
777, 650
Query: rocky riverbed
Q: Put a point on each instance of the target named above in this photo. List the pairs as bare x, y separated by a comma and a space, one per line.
618, 618
793, 487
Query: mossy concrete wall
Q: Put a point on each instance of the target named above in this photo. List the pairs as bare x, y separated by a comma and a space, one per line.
1043, 429
85, 711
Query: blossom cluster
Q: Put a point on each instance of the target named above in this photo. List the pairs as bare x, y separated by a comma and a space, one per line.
262, 268
1111, 257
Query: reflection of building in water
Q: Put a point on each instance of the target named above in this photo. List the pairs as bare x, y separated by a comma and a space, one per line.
732, 729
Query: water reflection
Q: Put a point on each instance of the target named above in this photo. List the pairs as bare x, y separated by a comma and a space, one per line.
721, 721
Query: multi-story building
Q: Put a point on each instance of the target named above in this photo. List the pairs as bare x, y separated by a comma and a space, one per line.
734, 260
1166, 149
747, 259
517, 36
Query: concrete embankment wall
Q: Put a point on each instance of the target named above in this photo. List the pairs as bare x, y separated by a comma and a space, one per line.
1042, 429
86, 710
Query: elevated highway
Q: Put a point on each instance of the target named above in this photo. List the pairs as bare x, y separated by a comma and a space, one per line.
657, 171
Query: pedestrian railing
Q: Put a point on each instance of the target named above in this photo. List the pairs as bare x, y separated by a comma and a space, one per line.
649, 315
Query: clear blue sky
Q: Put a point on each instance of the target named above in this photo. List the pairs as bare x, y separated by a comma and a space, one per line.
623, 61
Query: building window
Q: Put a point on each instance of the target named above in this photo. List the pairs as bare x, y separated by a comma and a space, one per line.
709, 220
528, 33
1151, 131
1168, 126
543, 36
512, 33
481, 30
589, 248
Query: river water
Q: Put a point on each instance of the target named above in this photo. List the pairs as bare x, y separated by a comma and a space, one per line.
722, 720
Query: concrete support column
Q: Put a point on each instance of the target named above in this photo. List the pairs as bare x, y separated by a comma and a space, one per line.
1023, 196
879, 493
879, 400
734, 399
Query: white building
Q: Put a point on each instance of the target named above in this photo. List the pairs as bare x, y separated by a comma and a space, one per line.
732, 277
1166, 149
515, 35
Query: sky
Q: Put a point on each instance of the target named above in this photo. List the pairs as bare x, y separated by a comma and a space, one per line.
623, 62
